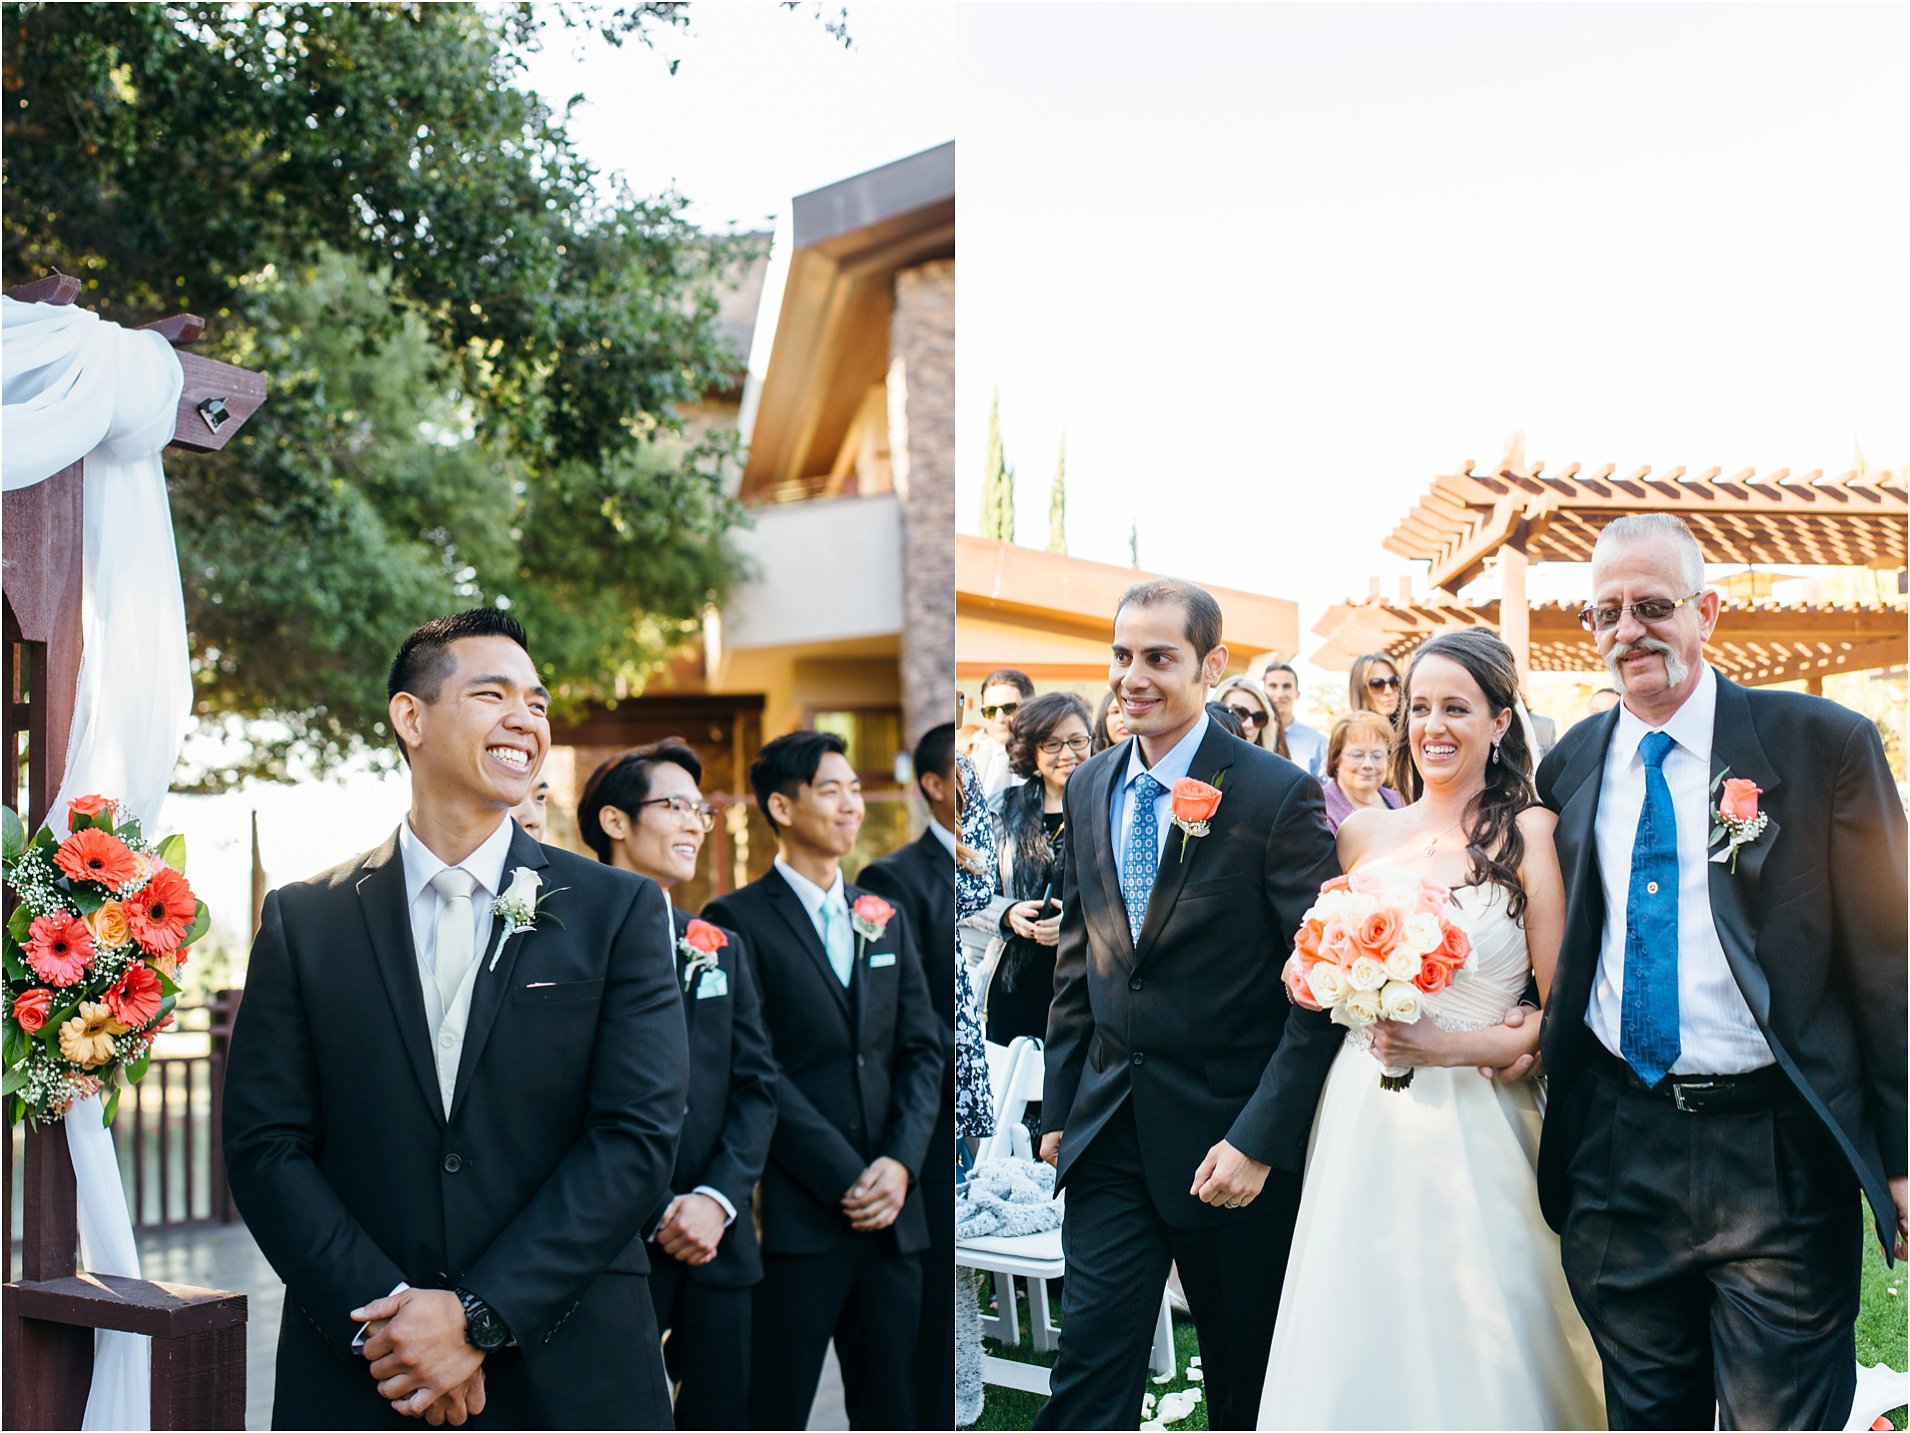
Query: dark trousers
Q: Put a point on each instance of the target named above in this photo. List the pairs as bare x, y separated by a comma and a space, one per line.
706, 1351
865, 1296
1715, 1258
935, 1348
1118, 1250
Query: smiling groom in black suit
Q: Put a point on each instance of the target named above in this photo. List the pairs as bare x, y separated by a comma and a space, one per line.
445, 1127
1178, 1110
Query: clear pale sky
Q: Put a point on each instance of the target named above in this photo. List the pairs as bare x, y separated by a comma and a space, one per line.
1272, 268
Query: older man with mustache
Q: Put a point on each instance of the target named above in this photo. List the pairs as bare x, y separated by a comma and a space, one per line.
1725, 1034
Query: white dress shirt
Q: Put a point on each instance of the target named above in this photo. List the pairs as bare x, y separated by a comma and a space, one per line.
485, 866
1169, 769
814, 897
1716, 1034
943, 834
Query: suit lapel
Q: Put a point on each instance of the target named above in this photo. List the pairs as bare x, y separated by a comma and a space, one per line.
1212, 759
794, 915
1736, 750
679, 927
858, 966
487, 994
381, 899
1111, 908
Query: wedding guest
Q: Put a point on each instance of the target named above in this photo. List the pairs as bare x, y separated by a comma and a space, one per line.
1305, 745
920, 879
1373, 686
1227, 720
974, 1103
1110, 726
1244, 698
1604, 699
529, 813
855, 1034
1050, 739
445, 1127
1358, 753
644, 812
1002, 696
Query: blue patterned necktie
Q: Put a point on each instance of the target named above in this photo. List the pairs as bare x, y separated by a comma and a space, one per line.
1648, 1010
1143, 853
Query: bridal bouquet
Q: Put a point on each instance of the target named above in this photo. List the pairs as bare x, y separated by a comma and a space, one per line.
1372, 945
93, 951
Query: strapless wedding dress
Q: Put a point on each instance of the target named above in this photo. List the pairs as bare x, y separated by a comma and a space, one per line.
1424, 1289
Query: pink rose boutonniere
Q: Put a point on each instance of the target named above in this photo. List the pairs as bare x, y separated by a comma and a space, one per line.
870, 916
1738, 821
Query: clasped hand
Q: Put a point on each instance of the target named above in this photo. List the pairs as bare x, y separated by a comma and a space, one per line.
692, 1228
420, 1357
876, 1197
1228, 1179
1022, 920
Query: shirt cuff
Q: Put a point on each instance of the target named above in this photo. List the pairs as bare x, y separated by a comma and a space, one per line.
729, 1209
359, 1340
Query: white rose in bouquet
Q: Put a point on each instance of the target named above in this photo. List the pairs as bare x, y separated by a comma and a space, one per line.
1361, 1007
1399, 1001
1402, 964
1366, 974
1327, 982
1420, 934
1355, 908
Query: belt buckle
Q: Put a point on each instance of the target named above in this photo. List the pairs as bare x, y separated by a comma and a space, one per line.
1697, 1088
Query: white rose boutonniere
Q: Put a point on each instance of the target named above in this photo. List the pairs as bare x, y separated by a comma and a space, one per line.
519, 907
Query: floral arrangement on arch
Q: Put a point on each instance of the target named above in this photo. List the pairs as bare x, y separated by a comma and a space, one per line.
93, 951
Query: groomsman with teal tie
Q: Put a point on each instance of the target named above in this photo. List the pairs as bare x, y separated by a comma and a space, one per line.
1725, 1036
861, 1055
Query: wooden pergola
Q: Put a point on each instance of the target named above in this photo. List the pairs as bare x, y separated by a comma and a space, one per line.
1521, 515
1756, 642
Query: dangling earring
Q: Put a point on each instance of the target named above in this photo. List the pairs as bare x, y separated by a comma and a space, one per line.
1495, 751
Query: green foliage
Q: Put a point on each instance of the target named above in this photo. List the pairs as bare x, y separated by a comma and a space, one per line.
14, 840
478, 351
998, 482
1058, 503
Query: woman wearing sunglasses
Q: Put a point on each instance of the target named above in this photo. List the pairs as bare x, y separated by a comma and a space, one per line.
1242, 696
1373, 685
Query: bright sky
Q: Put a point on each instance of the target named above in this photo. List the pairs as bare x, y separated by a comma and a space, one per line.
1272, 269
764, 105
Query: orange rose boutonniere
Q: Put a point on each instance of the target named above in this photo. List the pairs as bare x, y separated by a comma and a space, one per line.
1194, 804
1738, 821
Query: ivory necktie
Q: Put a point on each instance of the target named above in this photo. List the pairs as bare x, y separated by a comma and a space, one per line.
456, 935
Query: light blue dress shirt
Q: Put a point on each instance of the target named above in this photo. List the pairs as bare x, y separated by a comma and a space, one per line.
1167, 771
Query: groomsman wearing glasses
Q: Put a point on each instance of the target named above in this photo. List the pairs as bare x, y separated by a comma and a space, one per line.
920, 879
861, 1053
1725, 1034
644, 812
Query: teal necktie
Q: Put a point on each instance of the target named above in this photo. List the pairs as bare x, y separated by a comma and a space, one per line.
838, 940
1648, 1009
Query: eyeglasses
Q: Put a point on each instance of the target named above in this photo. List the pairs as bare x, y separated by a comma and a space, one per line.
1076, 744
1652, 609
1006, 709
1249, 716
679, 808
1380, 684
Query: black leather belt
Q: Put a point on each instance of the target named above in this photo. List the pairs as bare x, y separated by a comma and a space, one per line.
1759, 1089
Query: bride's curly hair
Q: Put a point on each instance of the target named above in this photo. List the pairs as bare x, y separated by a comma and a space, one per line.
1491, 822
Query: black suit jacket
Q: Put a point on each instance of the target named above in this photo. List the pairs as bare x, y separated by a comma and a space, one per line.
861, 1068
1812, 922
532, 1194
732, 1109
1192, 1021
920, 878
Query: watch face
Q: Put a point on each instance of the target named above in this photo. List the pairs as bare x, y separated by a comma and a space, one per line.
482, 1328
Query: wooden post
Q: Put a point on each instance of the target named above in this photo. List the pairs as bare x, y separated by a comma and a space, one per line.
51, 1313
1515, 615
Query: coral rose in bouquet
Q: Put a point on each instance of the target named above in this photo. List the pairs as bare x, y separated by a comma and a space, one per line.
93, 951
1372, 947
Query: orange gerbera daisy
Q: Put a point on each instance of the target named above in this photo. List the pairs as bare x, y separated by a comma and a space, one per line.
135, 998
95, 856
161, 914
59, 948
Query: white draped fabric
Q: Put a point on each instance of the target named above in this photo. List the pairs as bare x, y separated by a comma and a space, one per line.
77, 389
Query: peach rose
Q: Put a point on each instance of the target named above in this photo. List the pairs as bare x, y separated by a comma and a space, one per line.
1378, 932
1299, 991
109, 926
1307, 941
1454, 947
1367, 882
1336, 944
1195, 801
705, 937
1338, 883
1739, 802
1433, 977
31, 1007
86, 806
1432, 898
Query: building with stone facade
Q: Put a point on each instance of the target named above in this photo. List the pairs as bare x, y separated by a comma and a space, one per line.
846, 621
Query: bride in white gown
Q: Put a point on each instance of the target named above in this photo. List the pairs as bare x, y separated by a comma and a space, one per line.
1424, 1288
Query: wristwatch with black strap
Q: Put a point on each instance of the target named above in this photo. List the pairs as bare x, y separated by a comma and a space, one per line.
483, 1329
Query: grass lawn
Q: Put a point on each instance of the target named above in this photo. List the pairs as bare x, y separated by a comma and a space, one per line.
1880, 1339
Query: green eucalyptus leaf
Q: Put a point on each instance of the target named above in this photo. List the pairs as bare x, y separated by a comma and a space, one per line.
15, 1082
201, 923
136, 1071
112, 1106
172, 851
167, 985
13, 834
19, 924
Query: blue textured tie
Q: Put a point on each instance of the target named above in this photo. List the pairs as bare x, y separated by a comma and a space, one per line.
1143, 853
1648, 1011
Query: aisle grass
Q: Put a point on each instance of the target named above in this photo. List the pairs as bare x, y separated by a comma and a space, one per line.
1881, 1338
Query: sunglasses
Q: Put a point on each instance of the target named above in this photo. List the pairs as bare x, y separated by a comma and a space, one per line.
1249, 716
1380, 684
1006, 709
1650, 611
